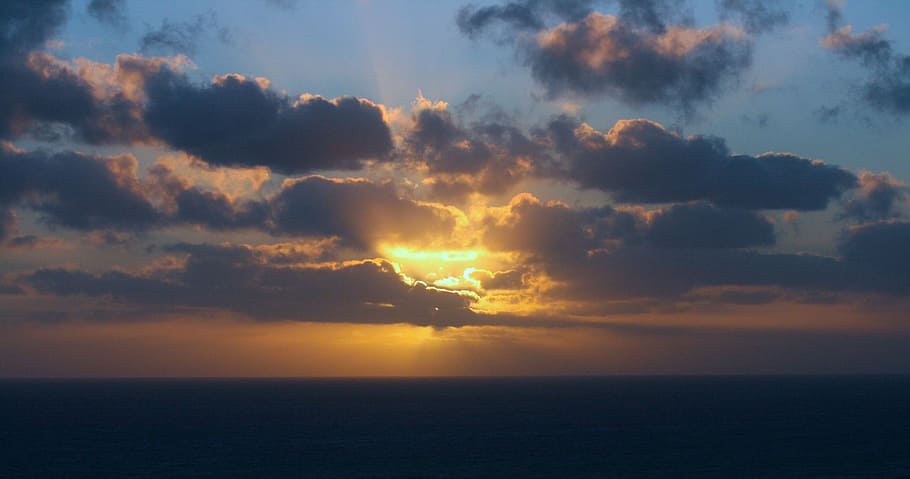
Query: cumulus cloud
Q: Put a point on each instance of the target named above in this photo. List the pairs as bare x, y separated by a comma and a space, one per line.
235, 121
555, 230
877, 198
602, 55
76, 190
645, 55
887, 87
360, 212
110, 12
488, 156
96, 193
703, 225
640, 161
27, 95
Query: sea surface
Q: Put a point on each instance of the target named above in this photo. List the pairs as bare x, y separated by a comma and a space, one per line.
597, 427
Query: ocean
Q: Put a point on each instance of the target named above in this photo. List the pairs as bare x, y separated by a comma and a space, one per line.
584, 427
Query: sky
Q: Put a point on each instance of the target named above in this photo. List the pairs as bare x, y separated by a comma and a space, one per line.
408, 188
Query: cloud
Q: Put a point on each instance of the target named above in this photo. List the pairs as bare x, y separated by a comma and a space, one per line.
28, 95
244, 279
638, 56
498, 280
652, 15
182, 37
756, 16
877, 198
519, 15
93, 193
651, 272
235, 121
640, 161
76, 190
703, 225
534, 15
488, 156
360, 212
603, 55
878, 253
887, 87
554, 230
185, 203
110, 12
111, 98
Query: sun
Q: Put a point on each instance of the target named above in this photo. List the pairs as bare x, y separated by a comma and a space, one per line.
445, 268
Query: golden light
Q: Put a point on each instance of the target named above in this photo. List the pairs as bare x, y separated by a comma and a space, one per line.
402, 253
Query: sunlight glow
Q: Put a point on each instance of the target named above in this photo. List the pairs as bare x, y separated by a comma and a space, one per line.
403, 253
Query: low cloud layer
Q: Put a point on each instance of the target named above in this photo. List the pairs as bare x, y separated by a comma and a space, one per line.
245, 280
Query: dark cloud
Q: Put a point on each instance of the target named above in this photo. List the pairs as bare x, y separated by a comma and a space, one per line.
182, 37
513, 17
872, 261
878, 253
640, 161
244, 280
877, 198
645, 55
644, 271
531, 15
75, 190
702, 225
488, 156
28, 94
498, 280
110, 12
887, 87
604, 55
27, 24
52, 99
104, 194
358, 211
95, 114
555, 230
756, 16
652, 15
239, 122
188, 204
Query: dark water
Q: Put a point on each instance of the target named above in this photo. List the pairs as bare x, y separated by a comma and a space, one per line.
544, 427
